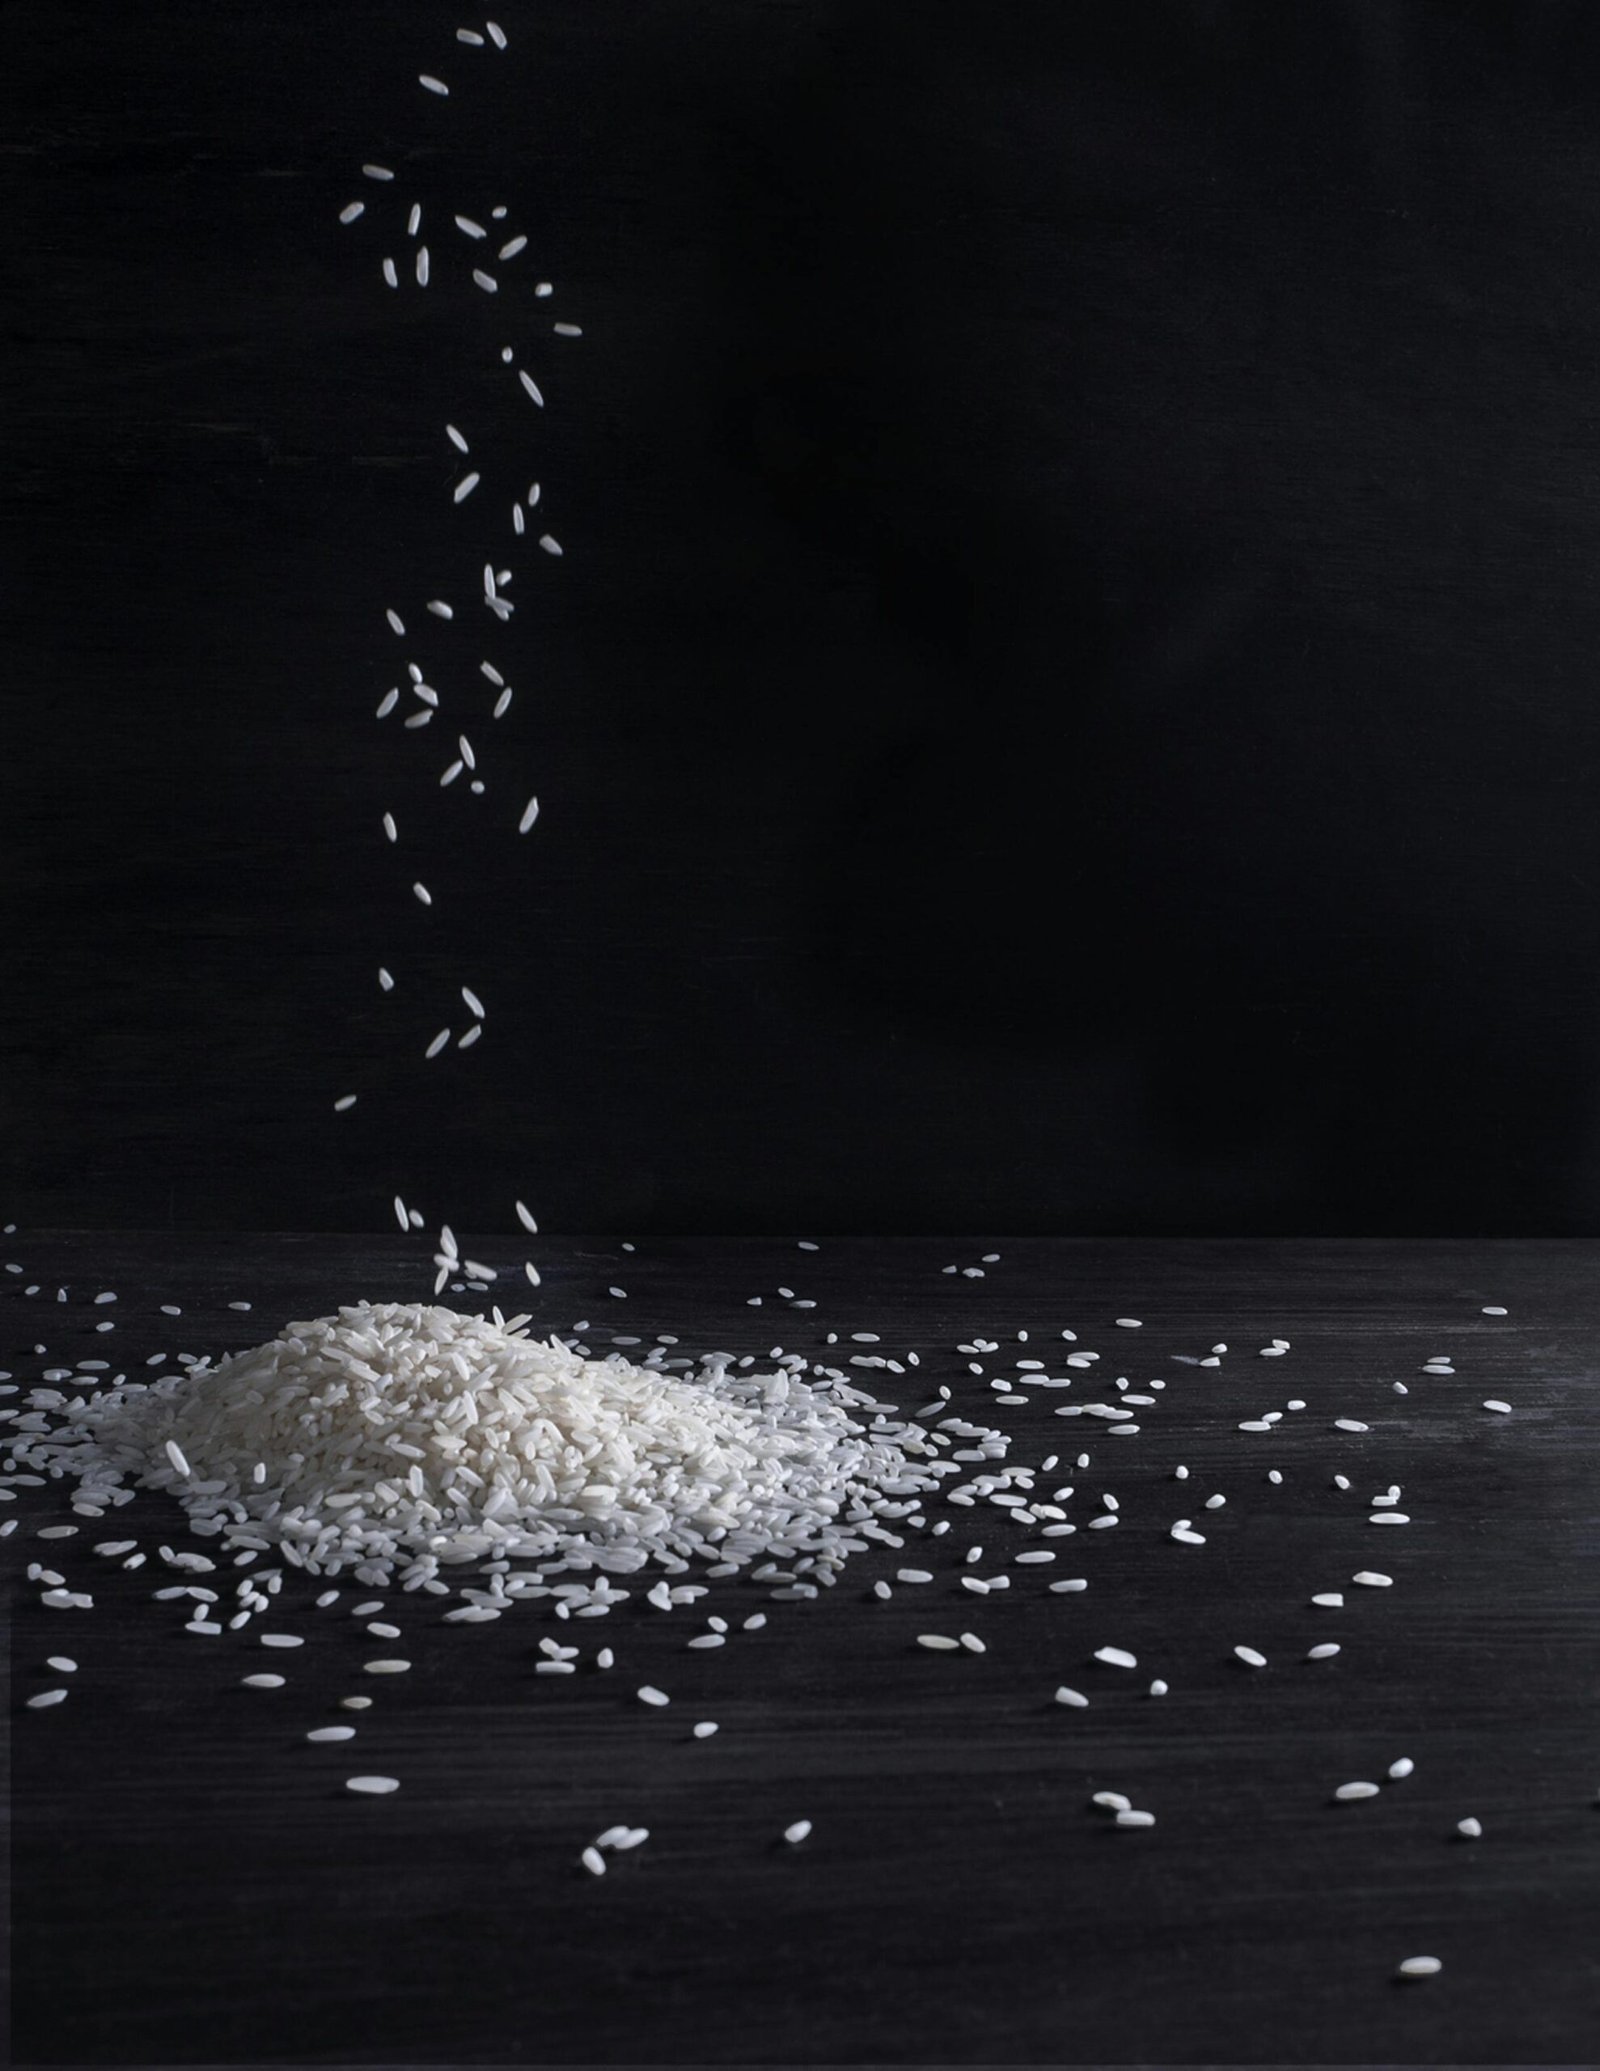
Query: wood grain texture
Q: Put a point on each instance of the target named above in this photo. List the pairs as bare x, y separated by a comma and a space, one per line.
192, 1884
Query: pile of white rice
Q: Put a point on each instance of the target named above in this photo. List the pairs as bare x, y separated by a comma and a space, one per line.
398, 1438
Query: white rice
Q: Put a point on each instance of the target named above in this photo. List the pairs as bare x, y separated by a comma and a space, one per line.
395, 621
497, 35
351, 210
422, 893
550, 544
377, 172
516, 1447
389, 273
530, 813
423, 265
486, 281
385, 980
372, 1786
464, 488
433, 85
532, 387
510, 250
1421, 1967
344, 1103
1348, 1792
387, 703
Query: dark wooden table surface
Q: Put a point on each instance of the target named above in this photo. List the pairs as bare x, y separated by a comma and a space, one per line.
190, 1882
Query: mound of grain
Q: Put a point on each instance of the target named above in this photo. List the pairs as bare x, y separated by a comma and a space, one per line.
399, 1436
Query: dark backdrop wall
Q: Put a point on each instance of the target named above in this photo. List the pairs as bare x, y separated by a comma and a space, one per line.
1069, 698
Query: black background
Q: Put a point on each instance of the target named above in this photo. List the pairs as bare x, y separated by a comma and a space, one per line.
1067, 702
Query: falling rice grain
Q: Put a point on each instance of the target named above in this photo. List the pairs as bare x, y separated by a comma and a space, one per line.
530, 813
433, 85
175, 1455
344, 1103
1420, 1967
1348, 1793
389, 273
1076, 1698
422, 892
372, 1786
349, 213
532, 387
1503, 1408
486, 281
510, 251
550, 544
464, 488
